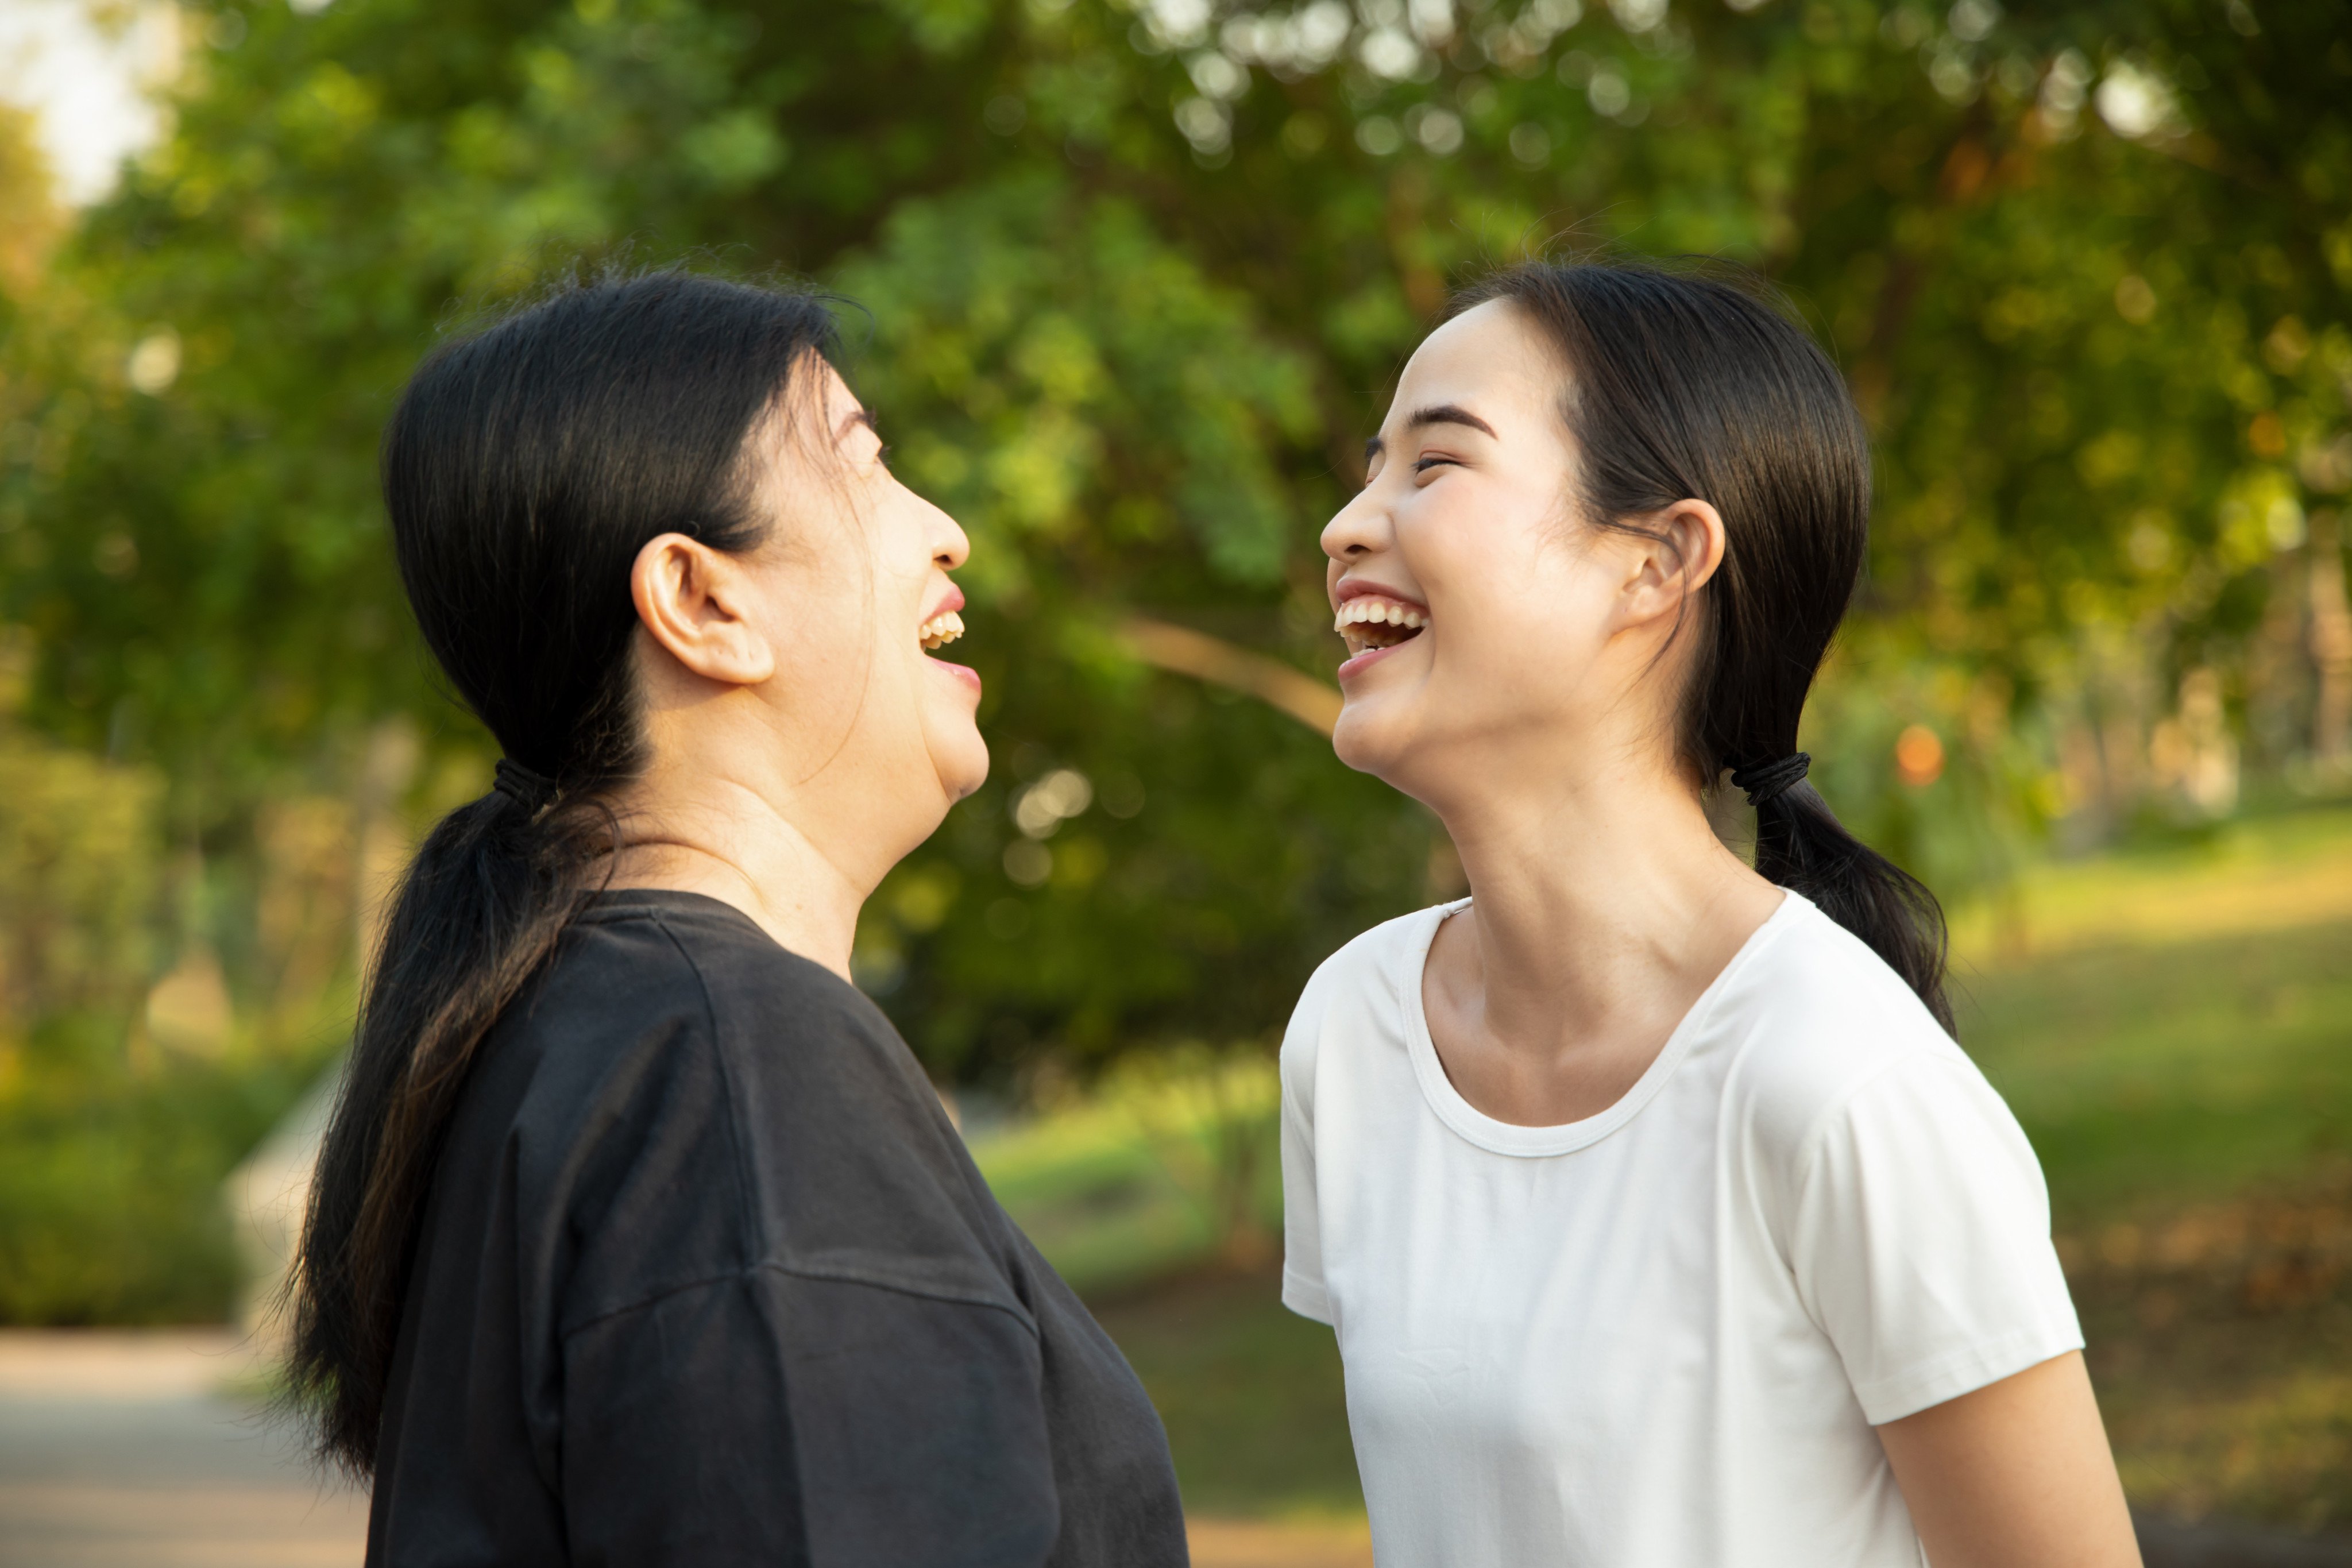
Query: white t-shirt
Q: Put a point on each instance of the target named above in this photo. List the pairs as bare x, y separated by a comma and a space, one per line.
1660, 1336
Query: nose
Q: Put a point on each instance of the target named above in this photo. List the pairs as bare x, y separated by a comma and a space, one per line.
1357, 529
950, 546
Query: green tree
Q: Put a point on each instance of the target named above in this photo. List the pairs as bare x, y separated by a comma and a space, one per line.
1138, 276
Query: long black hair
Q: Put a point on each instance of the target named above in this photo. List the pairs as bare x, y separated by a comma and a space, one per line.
1684, 384
524, 468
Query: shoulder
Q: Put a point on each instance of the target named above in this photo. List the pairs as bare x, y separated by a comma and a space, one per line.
616, 1006
1819, 1017
659, 1003
851, 1169
1375, 966
755, 1100
807, 1053
778, 1026
1361, 984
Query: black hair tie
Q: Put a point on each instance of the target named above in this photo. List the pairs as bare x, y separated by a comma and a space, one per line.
532, 790
1766, 780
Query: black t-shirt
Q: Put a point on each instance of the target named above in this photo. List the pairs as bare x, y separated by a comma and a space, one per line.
707, 1277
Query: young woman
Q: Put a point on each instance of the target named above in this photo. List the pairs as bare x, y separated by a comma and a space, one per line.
639, 1238
1662, 1222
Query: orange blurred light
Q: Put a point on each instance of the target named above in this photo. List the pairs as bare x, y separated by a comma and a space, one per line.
1918, 756
2267, 434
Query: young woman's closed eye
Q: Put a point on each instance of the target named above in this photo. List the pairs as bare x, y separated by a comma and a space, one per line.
1660, 1218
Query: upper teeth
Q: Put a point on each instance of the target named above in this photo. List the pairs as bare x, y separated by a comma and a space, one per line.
941, 629
1387, 612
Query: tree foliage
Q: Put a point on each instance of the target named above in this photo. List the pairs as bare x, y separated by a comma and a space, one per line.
1137, 278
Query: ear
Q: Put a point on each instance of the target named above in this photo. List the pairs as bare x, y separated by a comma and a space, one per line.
695, 601
1684, 550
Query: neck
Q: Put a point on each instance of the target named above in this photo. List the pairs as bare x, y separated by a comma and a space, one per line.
727, 840
1603, 902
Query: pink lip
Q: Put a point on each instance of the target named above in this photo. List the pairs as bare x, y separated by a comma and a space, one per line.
963, 672
1365, 660
954, 601
1358, 589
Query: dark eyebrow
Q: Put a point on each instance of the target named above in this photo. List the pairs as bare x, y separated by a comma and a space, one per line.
856, 417
1437, 414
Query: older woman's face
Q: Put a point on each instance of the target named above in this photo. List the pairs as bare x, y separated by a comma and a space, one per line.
857, 599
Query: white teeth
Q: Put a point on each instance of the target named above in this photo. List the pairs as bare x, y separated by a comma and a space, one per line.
1367, 610
941, 629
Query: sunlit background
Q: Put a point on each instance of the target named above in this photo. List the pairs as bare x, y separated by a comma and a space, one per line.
1132, 279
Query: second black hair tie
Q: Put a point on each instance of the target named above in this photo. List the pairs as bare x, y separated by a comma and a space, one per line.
527, 788
1765, 781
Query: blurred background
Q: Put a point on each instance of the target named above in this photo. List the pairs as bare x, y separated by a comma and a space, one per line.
1131, 281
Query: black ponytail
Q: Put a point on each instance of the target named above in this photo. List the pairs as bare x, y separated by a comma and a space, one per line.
1683, 385
523, 470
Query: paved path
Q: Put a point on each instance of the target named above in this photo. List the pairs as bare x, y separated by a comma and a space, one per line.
122, 1450
119, 1450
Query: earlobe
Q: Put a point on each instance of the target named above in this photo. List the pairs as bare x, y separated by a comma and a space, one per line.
692, 601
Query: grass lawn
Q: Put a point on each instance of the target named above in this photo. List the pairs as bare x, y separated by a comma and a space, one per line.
1118, 1191
2173, 1025
1251, 1394
2174, 1029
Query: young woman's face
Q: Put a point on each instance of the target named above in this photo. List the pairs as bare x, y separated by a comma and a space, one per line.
857, 568
1481, 615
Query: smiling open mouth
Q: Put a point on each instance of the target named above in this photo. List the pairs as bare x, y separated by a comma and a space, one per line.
940, 630
1369, 621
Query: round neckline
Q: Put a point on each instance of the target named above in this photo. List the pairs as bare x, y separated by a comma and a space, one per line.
632, 902
1567, 1137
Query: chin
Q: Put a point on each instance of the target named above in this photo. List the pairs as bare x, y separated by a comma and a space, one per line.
960, 761
1367, 739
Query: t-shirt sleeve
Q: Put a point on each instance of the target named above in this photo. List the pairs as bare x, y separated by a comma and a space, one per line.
1920, 1240
1303, 1290
772, 1417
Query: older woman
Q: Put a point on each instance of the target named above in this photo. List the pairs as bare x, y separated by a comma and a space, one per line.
639, 1238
